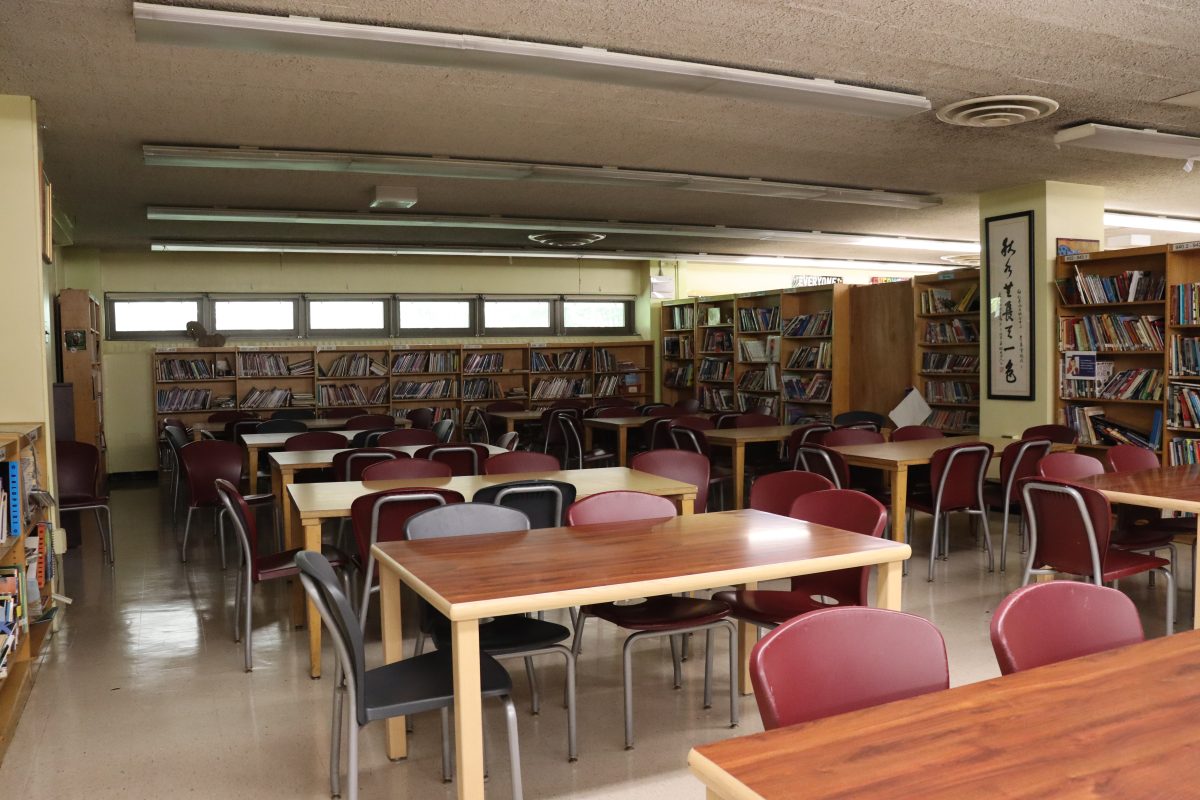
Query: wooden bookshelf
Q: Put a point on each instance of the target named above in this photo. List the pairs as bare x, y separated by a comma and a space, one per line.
678, 348
757, 337
814, 357
946, 373
79, 357
715, 348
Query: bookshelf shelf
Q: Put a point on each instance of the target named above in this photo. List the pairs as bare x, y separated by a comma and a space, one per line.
946, 305
1126, 304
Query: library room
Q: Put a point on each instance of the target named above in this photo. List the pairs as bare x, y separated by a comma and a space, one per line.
558, 400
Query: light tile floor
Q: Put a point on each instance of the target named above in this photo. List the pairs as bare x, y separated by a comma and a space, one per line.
142, 693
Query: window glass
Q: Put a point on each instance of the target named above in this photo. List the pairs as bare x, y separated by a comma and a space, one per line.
255, 315
516, 314
431, 314
146, 316
346, 315
588, 314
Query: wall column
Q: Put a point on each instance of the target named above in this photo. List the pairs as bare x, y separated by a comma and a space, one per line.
1060, 210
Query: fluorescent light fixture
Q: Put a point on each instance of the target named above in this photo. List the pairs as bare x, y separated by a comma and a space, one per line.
1119, 219
308, 36
1137, 141
179, 214
834, 263
483, 169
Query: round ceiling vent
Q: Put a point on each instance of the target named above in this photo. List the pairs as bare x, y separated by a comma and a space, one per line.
997, 111
962, 260
566, 239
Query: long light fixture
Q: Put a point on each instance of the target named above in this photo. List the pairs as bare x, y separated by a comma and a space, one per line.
484, 169
1137, 141
309, 36
179, 214
1120, 219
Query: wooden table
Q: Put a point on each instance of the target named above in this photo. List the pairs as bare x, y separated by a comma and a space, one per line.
736, 440
312, 424
1116, 724
255, 443
513, 418
468, 578
619, 424
1168, 488
316, 502
895, 458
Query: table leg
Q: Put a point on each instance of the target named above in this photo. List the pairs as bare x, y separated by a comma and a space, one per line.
686, 503
622, 446
888, 579
468, 709
391, 623
252, 467
739, 473
510, 425
1195, 593
196, 435
312, 541
587, 437
286, 478
899, 502
747, 638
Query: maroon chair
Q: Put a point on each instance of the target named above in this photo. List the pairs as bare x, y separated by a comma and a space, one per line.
77, 478
421, 418
406, 436
910, 433
648, 409
1070, 531
812, 433
235, 429
1059, 434
1069, 466
662, 615
463, 458
315, 440
344, 412
689, 405
569, 426
725, 419
687, 433
666, 411
823, 461
775, 491
553, 440
679, 465
620, 402
656, 433
843, 659
371, 422
957, 474
348, 465
496, 426
204, 463
520, 461
1050, 622
1018, 460
844, 437
861, 419
405, 468
692, 423
256, 568
752, 419
835, 508
1145, 529
614, 411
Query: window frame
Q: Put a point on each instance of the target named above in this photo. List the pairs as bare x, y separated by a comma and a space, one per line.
628, 301
110, 317
474, 314
552, 329
298, 315
390, 318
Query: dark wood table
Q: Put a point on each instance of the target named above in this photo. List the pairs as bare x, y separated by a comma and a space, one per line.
1120, 724
619, 425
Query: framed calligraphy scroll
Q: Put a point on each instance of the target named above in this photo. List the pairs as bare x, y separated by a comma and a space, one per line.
1008, 249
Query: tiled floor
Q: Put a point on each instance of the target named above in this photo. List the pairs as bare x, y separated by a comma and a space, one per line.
142, 693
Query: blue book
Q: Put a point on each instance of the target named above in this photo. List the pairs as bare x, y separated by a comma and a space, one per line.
12, 475
1156, 429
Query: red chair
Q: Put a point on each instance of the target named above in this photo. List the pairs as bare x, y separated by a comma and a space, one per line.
497, 426
1145, 529
687, 433
692, 423
1070, 531
316, 440
406, 436
203, 463
812, 433
1050, 622
868, 420
724, 419
1069, 466
646, 409
463, 458
1018, 460
678, 465
405, 468
77, 477
823, 461
344, 412
656, 433
688, 404
910, 433
614, 411
662, 410
348, 465
957, 474
775, 491
835, 508
662, 615
753, 419
520, 461
235, 429
844, 437
370, 422
842, 659
1059, 434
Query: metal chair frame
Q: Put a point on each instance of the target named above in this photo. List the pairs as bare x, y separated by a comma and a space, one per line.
369, 568
941, 533
1009, 496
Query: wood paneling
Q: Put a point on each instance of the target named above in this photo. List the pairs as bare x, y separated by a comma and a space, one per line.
881, 345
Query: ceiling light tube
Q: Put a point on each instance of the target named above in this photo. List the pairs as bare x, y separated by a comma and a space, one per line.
1142, 142
1120, 219
308, 36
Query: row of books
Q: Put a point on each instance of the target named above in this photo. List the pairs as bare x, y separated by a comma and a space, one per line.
351, 394
755, 320
715, 315
680, 377
425, 361
819, 324
274, 397
942, 301
1183, 405
812, 388
14, 613
716, 369
799, 415
713, 399
1185, 304
483, 362
354, 365
947, 419
955, 331
481, 389
178, 398
439, 413
682, 317
1185, 355
607, 361
948, 362
678, 347
1110, 333
816, 356
303, 399
716, 341
577, 360
1184, 450
615, 384
759, 380
271, 365
1134, 384
963, 392
763, 405
421, 390
1129, 286
557, 388
759, 350
1092, 427
185, 369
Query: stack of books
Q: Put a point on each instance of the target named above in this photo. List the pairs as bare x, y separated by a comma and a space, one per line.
184, 369
680, 377
949, 362
558, 388
262, 365
759, 380
817, 356
961, 392
481, 389
718, 342
180, 399
713, 399
815, 388
354, 365
682, 317
716, 369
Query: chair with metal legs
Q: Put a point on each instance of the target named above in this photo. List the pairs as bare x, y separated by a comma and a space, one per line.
78, 474
957, 474
203, 463
1018, 460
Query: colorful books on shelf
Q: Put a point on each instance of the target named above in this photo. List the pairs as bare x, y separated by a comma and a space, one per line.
1093, 428
301, 368
758, 380
607, 361
1185, 355
274, 397
303, 400
713, 399
682, 317
619, 383
483, 362
350, 394
716, 369
481, 389
442, 389
558, 388
178, 398
803, 415
941, 301
184, 369
262, 365
1185, 304
678, 347
752, 350
1110, 333
1184, 450
962, 392
1127, 287
354, 365
1133, 384
815, 388
680, 377
819, 324
956, 420
756, 320
956, 331
578, 360
949, 363
815, 356
718, 342
764, 404
1183, 405
425, 361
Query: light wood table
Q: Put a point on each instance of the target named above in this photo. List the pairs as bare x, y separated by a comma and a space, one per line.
513, 418
469, 578
620, 425
1168, 488
255, 443
316, 502
736, 440
312, 424
1046, 732
895, 458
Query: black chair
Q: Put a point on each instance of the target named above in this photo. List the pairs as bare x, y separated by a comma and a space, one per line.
176, 438
861, 419
282, 425
510, 636
368, 438
573, 445
410, 686
443, 429
544, 502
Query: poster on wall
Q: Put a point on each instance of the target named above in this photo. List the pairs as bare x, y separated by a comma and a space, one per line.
1008, 248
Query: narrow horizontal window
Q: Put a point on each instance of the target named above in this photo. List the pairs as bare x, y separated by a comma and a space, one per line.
255, 315
601, 314
435, 315
347, 315
153, 316
522, 314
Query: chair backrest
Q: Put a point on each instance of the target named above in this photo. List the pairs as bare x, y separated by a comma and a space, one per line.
1130, 458
77, 469
656, 433
569, 425
465, 519
645, 409
679, 465
1070, 527
690, 439
294, 413
693, 422
688, 404
421, 418
370, 422
837, 660
542, 501
405, 436
909, 433
1059, 434
348, 465
176, 436
843, 437
752, 419
552, 432
775, 491
1069, 466
857, 418
381, 516
206, 461
724, 419
508, 440
520, 461
404, 468
235, 428
443, 429
344, 412
957, 474
619, 506
1020, 460
229, 416
245, 526
850, 511
463, 458
812, 433
823, 461
621, 402
504, 405
368, 437
282, 425
614, 411
1047, 622
316, 440
662, 410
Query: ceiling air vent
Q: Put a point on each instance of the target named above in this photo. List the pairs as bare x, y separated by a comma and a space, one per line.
997, 111
962, 260
566, 239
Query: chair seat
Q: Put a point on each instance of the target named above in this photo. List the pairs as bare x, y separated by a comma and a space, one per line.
424, 683
921, 499
282, 564
768, 607
263, 499
513, 633
661, 613
1123, 563
993, 497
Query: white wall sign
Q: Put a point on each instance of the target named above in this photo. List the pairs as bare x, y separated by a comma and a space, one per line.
1008, 244
815, 280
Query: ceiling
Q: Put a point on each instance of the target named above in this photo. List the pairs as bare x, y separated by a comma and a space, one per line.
102, 95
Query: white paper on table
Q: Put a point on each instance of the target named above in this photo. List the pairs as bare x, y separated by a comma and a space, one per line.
912, 410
